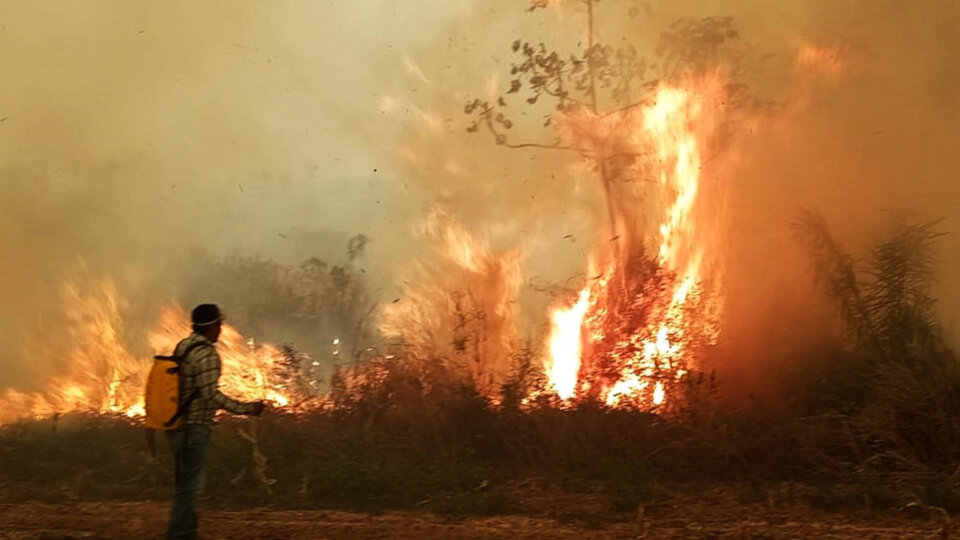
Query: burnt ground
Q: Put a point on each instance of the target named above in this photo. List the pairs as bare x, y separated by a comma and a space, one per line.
701, 515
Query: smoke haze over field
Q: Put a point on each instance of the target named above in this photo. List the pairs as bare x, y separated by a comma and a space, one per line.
136, 134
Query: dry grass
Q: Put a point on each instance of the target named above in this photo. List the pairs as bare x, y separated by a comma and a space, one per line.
875, 422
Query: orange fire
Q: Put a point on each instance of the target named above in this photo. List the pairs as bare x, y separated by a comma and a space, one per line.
565, 346
631, 333
460, 309
248, 371
101, 376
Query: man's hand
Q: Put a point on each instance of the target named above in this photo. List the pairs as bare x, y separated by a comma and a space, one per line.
258, 408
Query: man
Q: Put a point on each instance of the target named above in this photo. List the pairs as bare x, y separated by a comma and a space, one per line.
200, 398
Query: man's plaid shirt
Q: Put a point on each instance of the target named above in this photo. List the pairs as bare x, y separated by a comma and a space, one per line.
201, 370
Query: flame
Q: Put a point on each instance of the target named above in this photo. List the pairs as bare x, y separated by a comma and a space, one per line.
460, 309
658, 394
565, 346
101, 376
642, 319
98, 371
665, 121
248, 371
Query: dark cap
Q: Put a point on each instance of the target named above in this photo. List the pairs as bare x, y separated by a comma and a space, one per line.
206, 315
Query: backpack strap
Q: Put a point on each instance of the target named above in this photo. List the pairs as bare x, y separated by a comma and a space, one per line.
180, 358
182, 409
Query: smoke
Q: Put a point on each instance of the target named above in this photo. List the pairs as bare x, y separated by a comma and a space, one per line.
862, 97
141, 141
864, 137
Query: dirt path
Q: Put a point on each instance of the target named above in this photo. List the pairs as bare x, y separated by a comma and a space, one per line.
114, 520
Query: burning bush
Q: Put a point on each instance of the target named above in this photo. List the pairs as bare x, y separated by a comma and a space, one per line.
459, 311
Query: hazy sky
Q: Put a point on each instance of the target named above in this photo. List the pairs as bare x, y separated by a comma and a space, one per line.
136, 131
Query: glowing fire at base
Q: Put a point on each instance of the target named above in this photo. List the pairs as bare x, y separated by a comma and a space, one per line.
101, 377
632, 332
565, 346
248, 371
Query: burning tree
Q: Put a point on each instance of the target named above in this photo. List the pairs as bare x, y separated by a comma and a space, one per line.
648, 305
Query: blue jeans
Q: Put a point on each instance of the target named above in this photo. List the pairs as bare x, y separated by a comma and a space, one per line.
189, 446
